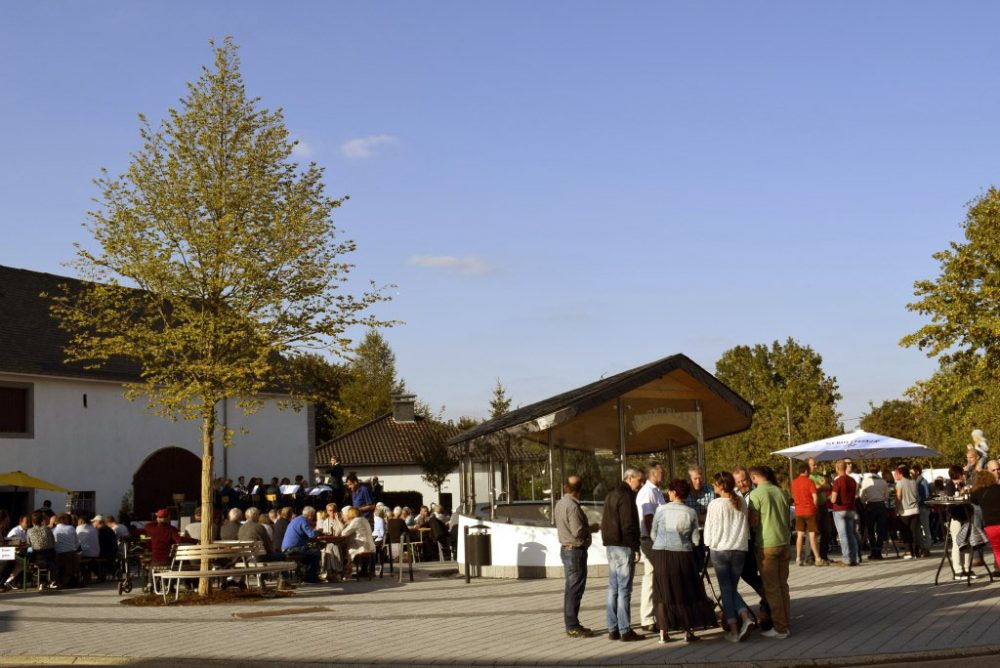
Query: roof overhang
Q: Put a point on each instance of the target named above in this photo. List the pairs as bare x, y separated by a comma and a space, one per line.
662, 402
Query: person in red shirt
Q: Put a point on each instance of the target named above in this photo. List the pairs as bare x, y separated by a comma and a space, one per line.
162, 536
842, 500
804, 492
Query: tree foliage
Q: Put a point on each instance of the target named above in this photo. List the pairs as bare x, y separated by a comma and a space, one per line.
234, 254
435, 459
320, 381
900, 418
780, 380
371, 382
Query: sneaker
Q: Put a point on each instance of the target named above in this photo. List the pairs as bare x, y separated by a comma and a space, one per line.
961, 576
771, 633
630, 636
745, 628
732, 637
614, 635
582, 632
663, 640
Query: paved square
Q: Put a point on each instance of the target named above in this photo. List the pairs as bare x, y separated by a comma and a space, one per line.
879, 608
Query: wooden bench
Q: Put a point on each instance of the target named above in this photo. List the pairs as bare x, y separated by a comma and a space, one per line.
229, 559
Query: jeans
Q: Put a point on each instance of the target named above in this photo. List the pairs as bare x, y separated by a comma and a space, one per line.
774, 572
728, 568
621, 569
311, 563
575, 565
845, 521
925, 527
876, 524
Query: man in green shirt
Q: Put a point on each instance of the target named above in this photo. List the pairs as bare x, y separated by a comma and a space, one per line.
823, 518
768, 507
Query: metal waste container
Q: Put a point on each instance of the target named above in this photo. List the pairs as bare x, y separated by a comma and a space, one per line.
478, 550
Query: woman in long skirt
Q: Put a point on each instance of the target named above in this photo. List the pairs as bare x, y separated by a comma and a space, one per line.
679, 600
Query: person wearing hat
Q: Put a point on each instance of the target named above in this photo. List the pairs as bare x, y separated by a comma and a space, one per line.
162, 535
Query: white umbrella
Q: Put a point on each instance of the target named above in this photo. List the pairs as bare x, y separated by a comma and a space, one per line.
860, 444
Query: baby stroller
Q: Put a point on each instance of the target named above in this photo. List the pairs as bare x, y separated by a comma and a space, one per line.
128, 560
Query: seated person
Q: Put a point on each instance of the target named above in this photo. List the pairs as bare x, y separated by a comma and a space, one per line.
10, 570
193, 530
360, 534
162, 536
42, 543
67, 550
296, 542
106, 540
231, 529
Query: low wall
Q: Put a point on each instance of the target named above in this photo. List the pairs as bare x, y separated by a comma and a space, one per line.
523, 551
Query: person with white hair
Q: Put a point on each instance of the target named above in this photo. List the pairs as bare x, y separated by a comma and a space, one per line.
296, 541
230, 530
981, 446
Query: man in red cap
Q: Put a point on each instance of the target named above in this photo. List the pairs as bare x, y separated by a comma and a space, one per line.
162, 535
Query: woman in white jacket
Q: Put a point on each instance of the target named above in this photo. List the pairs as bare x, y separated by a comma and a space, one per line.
726, 534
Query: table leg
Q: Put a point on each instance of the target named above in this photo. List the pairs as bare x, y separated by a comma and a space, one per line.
947, 549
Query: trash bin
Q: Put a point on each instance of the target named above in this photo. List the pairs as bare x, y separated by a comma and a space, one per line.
478, 550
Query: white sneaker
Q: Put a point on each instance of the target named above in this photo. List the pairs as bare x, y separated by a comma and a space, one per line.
745, 628
732, 637
771, 633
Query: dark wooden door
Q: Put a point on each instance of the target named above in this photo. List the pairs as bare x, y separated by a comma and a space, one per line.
164, 473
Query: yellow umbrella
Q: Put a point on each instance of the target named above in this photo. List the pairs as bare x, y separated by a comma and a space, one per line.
22, 479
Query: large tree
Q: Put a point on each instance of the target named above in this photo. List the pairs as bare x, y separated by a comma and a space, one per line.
963, 306
372, 381
215, 255
963, 302
320, 381
790, 392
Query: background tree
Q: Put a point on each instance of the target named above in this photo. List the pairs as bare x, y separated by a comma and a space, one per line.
372, 381
435, 459
320, 382
963, 305
234, 253
895, 417
780, 380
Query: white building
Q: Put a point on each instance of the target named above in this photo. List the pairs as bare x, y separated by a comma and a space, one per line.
386, 448
73, 427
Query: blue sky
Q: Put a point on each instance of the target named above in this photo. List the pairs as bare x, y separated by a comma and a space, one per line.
562, 190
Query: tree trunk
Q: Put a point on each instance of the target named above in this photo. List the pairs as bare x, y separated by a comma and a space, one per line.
207, 473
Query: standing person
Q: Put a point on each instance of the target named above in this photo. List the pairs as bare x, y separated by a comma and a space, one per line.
574, 540
823, 519
923, 493
842, 496
751, 571
727, 536
981, 448
805, 494
361, 497
908, 509
679, 600
701, 495
875, 494
768, 509
647, 501
620, 534
986, 495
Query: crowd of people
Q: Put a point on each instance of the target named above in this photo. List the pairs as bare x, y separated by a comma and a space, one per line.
742, 523
286, 516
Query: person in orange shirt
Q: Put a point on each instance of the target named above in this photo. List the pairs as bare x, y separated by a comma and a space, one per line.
804, 492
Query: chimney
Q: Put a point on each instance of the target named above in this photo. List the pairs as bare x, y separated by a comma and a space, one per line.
403, 408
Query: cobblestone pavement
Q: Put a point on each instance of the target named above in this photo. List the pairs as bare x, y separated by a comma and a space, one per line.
879, 608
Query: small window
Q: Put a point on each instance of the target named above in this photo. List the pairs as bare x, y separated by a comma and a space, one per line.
83, 503
16, 410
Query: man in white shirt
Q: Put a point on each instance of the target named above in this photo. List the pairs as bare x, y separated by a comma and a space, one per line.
90, 547
647, 500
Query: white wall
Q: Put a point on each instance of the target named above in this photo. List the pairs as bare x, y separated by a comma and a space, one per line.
408, 478
99, 447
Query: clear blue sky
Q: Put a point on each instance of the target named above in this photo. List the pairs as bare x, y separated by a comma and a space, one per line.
568, 189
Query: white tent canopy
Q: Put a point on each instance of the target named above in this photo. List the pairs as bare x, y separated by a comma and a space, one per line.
860, 444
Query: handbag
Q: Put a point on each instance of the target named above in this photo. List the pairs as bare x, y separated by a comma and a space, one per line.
970, 537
